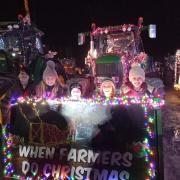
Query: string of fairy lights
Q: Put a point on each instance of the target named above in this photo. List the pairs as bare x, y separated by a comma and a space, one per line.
146, 102
150, 102
149, 153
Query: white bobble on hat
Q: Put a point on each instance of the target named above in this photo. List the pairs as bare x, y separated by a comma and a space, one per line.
50, 64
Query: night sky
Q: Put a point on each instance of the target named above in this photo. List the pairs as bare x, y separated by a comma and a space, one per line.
62, 20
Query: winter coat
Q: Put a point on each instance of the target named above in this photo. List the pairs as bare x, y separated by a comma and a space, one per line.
18, 91
130, 91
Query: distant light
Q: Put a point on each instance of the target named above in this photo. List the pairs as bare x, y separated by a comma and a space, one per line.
124, 29
81, 38
10, 27
13, 54
152, 30
2, 45
178, 52
16, 26
106, 31
129, 28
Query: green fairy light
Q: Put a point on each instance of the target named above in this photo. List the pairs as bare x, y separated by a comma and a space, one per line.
151, 120
9, 156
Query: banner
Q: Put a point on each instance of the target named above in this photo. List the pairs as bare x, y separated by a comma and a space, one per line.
80, 140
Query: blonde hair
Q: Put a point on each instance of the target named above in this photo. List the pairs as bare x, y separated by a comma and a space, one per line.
113, 87
41, 90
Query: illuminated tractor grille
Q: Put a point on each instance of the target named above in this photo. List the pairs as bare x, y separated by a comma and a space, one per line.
110, 69
109, 65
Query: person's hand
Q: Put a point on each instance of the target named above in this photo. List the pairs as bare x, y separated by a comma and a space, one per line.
50, 54
125, 89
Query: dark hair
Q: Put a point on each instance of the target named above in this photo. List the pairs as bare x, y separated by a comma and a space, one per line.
23, 68
75, 85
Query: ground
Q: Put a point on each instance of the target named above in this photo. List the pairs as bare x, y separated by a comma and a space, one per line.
171, 143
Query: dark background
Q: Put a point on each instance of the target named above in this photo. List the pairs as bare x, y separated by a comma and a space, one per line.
62, 20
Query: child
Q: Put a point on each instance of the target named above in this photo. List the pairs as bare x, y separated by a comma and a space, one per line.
75, 91
107, 88
49, 87
136, 85
24, 86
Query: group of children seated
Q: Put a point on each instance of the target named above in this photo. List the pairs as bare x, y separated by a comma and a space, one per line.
52, 87
137, 85
49, 87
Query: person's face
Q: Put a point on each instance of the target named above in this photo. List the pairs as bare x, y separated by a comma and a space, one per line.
107, 89
76, 93
50, 80
137, 81
23, 77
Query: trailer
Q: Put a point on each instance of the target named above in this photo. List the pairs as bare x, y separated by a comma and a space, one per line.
91, 138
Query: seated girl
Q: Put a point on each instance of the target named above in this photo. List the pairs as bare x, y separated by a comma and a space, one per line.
107, 88
75, 91
49, 87
23, 86
137, 85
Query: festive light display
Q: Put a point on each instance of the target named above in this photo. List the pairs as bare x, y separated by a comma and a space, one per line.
149, 153
177, 71
146, 102
125, 27
2, 45
152, 31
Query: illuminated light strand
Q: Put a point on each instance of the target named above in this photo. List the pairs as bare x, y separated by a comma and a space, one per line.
7, 154
145, 101
149, 157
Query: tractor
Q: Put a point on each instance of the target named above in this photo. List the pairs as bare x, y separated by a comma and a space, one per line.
113, 49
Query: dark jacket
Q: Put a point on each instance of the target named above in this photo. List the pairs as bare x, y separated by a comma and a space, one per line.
18, 91
7, 80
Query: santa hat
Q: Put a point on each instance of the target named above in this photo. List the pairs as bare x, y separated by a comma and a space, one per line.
136, 71
50, 70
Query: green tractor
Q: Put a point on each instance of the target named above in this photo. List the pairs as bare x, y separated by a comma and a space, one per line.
113, 49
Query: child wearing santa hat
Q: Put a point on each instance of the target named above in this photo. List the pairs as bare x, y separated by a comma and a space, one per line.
49, 87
